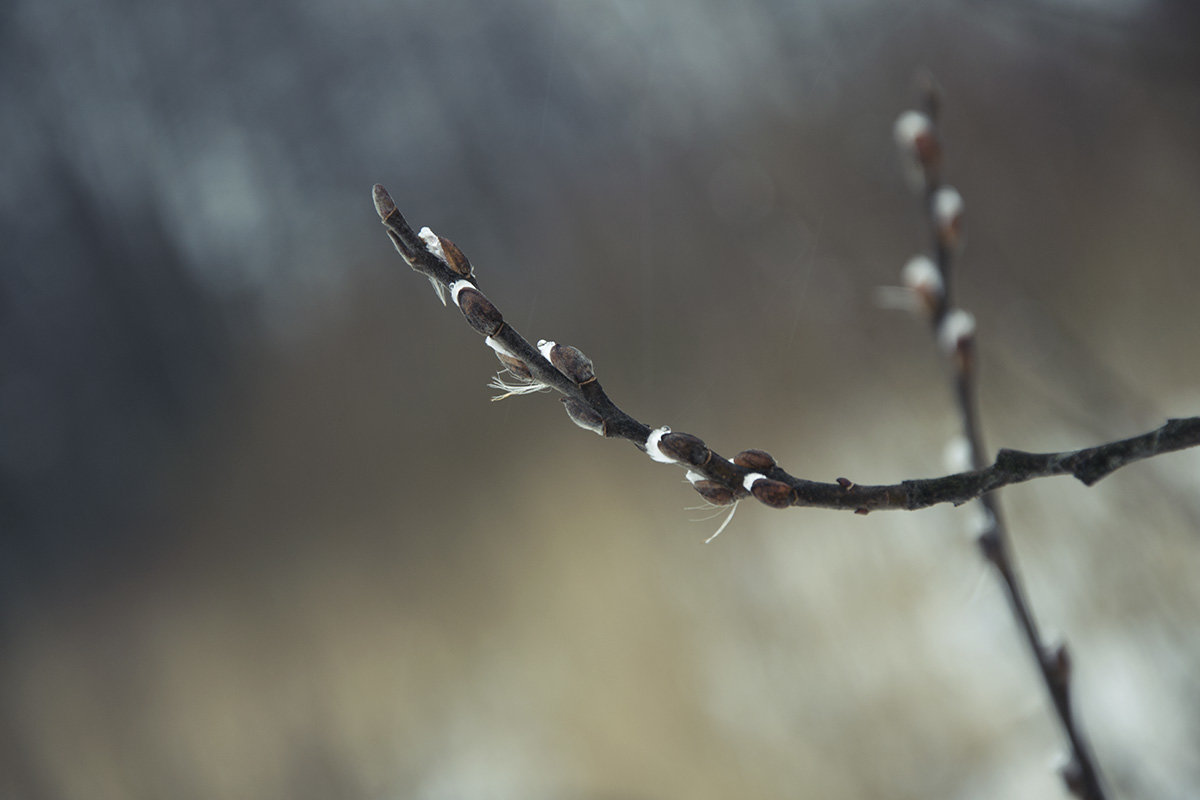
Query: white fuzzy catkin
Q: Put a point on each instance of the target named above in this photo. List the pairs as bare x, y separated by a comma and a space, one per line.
909, 126
749, 481
433, 244
947, 206
652, 445
498, 346
956, 326
922, 275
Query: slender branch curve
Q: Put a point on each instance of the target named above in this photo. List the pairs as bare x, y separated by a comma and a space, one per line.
751, 472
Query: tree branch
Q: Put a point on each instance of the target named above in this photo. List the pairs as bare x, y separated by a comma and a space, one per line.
752, 472
954, 329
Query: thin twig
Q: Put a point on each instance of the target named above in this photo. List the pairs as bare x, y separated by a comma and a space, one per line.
920, 143
721, 480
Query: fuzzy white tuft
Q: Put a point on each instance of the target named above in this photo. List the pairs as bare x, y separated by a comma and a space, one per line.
947, 206
922, 275
498, 346
749, 481
956, 455
957, 326
544, 347
433, 244
652, 445
456, 288
909, 126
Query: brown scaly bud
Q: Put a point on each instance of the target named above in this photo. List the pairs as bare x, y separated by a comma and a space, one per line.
479, 311
514, 365
1072, 775
715, 493
1060, 664
685, 448
757, 460
775, 494
583, 416
384, 205
454, 258
845, 483
568, 360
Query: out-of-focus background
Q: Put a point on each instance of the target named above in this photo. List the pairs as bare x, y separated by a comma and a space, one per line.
263, 534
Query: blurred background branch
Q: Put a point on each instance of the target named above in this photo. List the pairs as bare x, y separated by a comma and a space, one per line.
234, 563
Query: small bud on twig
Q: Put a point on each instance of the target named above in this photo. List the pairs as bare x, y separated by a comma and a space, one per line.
454, 258
757, 460
685, 448
713, 492
956, 331
948, 217
515, 365
917, 139
775, 494
479, 311
583, 416
572, 363
924, 279
384, 205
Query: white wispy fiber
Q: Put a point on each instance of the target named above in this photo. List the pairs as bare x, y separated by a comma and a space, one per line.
509, 384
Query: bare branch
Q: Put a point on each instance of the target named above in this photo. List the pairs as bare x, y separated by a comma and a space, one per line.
719, 479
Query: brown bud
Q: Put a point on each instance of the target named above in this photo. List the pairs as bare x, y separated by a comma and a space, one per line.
1060, 664
572, 363
845, 483
928, 150
479, 311
515, 365
583, 415
714, 492
384, 206
455, 259
686, 448
1072, 775
757, 460
775, 494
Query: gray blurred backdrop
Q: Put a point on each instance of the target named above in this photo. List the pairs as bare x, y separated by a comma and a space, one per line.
264, 536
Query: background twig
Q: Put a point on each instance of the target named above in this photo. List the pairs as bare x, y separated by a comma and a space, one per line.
920, 143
